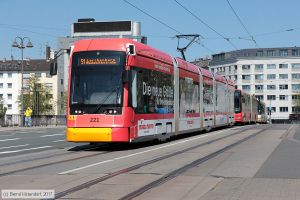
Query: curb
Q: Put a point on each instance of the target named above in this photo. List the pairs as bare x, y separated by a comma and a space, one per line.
14, 128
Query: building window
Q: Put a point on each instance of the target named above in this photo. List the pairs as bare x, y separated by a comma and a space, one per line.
9, 75
273, 109
246, 67
259, 77
295, 52
61, 81
1, 85
259, 87
1, 75
271, 76
271, 97
283, 66
259, 67
283, 76
283, 109
38, 75
295, 97
260, 53
9, 106
270, 53
283, 87
283, 52
259, 97
26, 76
295, 65
246, 77
295, 87
283, 97
271, 66
9, 85
1, 96
295, 109
246, 87
271, 87
295, 76
9, 96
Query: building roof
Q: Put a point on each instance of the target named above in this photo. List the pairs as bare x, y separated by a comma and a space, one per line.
203, 62
256, 53
31, 65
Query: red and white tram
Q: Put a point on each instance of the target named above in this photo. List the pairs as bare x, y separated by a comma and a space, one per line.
124, 91
245, 107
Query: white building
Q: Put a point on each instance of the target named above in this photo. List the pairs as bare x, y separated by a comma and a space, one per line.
271, 74
10, 81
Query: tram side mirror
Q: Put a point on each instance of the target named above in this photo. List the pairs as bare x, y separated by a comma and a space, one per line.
131, 49
53, 68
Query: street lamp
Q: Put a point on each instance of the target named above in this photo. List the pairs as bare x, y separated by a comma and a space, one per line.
22, 47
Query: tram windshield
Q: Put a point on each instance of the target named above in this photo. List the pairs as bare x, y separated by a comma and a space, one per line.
96, 78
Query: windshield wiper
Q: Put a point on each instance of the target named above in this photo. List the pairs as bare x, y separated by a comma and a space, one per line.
99, 106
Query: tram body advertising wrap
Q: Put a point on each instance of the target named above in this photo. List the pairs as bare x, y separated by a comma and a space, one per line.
124, 91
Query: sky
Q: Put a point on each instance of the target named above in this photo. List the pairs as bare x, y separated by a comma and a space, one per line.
223, 25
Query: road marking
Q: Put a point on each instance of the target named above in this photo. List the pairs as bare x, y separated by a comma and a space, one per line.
142, 152
59, 140
9, 139
7, 152
52, 135
23, 145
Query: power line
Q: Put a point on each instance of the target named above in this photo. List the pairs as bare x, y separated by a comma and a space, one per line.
35, 27
159, 21
164, 24
243, 25
275, 32
207, 25
26, 30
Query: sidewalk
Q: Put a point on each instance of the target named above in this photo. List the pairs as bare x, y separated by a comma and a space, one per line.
14, 128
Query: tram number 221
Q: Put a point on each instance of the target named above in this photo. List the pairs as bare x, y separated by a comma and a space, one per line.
94, 119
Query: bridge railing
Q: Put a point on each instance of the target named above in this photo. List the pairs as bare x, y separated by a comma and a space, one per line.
37, 120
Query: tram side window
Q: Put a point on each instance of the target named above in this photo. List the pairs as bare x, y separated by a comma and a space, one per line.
208, 97
189, 99
155, 93
221, 97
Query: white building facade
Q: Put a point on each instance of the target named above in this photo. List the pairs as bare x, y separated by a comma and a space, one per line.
272, 75
11, 77
9, 90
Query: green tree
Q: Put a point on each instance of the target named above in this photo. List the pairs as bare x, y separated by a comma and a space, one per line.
2, 112
37, 96
62, 103
2, 109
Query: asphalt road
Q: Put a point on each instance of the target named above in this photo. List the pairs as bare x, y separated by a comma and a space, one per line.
17, 141
244, 162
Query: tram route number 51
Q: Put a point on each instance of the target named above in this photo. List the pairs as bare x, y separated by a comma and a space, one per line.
94, 119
